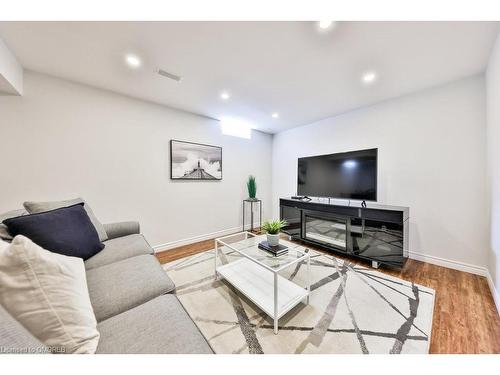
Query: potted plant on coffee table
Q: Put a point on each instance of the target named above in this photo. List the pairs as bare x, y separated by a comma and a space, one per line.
272, 229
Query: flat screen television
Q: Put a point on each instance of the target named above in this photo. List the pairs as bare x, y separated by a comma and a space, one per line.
346, 175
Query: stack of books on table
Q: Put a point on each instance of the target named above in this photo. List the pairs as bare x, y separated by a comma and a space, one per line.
274, 250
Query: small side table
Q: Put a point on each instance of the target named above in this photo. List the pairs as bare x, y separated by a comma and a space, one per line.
252, 202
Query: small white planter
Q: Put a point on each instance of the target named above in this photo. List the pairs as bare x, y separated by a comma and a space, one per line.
273, 239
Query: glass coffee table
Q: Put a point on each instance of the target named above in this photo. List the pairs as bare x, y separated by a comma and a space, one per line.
255, 272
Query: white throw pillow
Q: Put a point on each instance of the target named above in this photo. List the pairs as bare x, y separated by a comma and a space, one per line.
47, 293
3, 244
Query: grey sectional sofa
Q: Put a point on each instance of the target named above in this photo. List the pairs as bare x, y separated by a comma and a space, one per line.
133, 300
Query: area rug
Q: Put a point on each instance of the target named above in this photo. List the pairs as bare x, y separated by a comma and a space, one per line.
352, 309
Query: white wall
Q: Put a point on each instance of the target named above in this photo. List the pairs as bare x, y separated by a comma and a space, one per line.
11, 72
62, 140
431, 158
493, 135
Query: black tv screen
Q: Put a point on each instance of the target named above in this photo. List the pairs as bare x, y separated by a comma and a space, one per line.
347, 175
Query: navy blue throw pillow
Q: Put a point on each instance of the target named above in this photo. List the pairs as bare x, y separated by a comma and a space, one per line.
66, 230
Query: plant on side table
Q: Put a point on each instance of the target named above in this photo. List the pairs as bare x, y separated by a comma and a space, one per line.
273, 228
252, 188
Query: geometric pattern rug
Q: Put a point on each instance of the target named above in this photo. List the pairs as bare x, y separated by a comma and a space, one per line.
351, 309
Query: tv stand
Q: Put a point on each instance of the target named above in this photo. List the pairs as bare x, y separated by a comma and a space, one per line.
374, 232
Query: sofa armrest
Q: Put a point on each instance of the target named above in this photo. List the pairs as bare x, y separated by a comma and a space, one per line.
121, 229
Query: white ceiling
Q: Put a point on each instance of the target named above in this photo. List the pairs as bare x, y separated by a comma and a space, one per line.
285, 67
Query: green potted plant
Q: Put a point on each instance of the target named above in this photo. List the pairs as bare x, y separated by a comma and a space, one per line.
272, 228
252, 188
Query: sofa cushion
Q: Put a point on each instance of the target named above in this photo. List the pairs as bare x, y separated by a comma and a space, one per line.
15, 339
160, 326
67, 231
120, 286
119, 249
47, 293
4, 232
37, 207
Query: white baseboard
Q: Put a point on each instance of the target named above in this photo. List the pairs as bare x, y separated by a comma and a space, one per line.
460, 266
494, 292
203, 237
453, 264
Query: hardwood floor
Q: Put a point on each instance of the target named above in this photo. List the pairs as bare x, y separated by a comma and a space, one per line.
465, 316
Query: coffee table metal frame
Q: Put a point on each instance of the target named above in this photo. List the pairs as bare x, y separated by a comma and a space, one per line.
259, 282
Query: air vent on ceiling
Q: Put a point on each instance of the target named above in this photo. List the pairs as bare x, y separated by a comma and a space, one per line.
168, 75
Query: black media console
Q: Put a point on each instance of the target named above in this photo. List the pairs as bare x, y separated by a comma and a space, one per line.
378, 233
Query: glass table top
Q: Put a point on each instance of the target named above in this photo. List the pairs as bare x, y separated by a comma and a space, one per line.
249, 248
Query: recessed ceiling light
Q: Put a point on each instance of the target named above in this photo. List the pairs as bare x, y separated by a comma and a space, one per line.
369, 77
325, 24
133, 61
275, 115
225, 95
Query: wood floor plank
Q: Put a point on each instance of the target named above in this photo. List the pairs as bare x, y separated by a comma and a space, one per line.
465, 315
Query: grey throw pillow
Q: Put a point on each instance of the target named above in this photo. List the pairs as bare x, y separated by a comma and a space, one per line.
4, 232
37, 207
